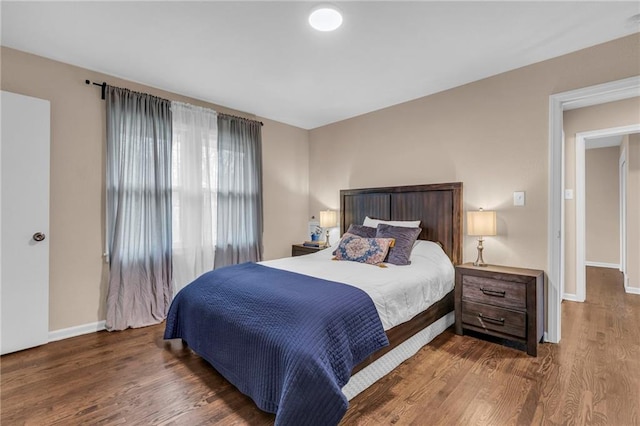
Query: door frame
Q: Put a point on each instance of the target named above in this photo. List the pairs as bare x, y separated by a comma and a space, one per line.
581, 224
558, 103
622, 165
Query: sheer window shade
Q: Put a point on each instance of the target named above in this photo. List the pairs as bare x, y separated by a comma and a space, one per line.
138, 208
184, 195
240, 220
195, 179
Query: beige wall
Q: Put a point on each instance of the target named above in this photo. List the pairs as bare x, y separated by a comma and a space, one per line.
285, 160
77, 271
612, 114
633, 214
602, 205
491, 134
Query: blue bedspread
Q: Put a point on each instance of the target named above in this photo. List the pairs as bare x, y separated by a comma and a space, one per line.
287, 340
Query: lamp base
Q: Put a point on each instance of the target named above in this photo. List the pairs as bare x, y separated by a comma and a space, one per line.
480, 261
327, 240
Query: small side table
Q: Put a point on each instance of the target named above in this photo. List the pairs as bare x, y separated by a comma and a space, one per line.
300, 249
501, 301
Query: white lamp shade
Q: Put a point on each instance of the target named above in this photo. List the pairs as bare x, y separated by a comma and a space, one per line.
481, 223
328, 218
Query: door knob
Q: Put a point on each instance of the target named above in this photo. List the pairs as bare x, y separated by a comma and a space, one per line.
39, 236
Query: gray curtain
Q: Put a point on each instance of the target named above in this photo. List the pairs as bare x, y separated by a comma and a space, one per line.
239, 227
138, 208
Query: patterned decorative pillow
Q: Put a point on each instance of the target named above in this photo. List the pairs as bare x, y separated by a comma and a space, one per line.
400, 253
362, 231
364, 250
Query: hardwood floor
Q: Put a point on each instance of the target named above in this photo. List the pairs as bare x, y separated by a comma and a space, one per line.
135, 377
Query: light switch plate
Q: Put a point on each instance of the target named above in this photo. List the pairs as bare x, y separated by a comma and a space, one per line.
518, 198
568, 194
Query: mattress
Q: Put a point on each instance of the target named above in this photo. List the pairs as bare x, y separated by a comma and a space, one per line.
398, 292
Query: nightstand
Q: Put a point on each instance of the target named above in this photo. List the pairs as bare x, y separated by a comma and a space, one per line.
501, 301
300, 249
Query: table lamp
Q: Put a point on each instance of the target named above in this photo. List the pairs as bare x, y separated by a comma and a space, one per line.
328, 219
481, 223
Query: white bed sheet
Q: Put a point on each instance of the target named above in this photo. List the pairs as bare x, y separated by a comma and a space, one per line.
398, 292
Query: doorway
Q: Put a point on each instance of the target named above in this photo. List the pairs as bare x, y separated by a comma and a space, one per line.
558, 103
590, 140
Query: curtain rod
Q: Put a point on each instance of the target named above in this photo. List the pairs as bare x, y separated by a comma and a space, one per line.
240, 118
104, 90
103, 85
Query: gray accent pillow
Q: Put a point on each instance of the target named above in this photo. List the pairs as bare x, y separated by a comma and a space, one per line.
400, 253
362, 231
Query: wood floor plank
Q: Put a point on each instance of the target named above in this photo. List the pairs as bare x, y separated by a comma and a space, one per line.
135, 377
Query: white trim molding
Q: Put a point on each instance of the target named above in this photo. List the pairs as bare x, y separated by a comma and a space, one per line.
78, 330
581, 216
558, 103
602, 265
600, 93
571, 297
632, 290
622, 170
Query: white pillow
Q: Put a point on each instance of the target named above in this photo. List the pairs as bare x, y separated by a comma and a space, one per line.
425, 248
373, 223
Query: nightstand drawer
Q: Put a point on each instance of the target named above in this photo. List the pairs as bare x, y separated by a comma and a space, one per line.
505, 294
495, 319
301, 250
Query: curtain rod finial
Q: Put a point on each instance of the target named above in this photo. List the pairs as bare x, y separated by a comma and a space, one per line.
87, 82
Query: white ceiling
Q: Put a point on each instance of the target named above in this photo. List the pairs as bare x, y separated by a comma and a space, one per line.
263, 58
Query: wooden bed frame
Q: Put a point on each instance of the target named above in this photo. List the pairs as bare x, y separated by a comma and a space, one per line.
439, 209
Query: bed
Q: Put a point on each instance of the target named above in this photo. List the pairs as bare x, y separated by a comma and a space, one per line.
295, 368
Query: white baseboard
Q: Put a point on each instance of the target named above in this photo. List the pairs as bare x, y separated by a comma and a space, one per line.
78, 330
632, 290
571, 297
603, 265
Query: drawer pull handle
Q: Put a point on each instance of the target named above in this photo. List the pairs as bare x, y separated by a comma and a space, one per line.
491, 319
489, 292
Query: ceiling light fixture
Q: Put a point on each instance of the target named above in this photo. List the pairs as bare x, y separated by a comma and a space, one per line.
325, 18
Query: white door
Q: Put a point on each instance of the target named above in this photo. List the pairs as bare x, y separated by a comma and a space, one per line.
24, 221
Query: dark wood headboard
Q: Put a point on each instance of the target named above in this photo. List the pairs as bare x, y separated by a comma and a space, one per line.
437, 206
